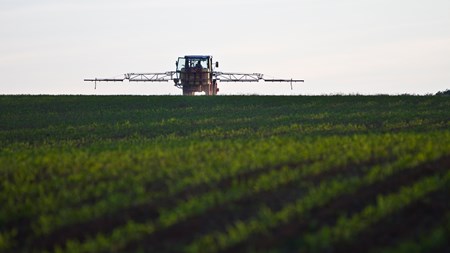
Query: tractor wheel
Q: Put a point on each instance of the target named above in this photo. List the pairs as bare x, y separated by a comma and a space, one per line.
187, 92
214, 88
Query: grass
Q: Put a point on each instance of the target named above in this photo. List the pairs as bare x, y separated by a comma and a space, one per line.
224, 174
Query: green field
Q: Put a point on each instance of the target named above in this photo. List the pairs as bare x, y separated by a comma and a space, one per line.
224, 174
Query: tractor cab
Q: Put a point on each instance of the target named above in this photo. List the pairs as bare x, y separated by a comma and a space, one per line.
194, 62
196, 74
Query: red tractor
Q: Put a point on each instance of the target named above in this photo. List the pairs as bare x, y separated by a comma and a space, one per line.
194, 73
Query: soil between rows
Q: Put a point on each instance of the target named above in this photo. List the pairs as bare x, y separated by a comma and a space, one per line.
348, 204
218, 217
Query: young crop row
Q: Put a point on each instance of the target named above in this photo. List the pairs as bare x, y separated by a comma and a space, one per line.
326, 191
52, 214
52, 221
120, 118
346, 228
413, 152
113, 174
91, 178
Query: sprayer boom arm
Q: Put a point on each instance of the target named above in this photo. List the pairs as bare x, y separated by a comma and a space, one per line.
241, 77
139, 77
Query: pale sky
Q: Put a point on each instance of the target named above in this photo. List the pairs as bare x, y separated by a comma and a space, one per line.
337, 46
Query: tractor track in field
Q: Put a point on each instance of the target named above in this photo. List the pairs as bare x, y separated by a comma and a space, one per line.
222, 215
226, 182
150, 211
142, 212
161, 187
408, 223
347, 204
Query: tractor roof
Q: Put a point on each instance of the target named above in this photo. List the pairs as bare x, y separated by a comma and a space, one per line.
203, 57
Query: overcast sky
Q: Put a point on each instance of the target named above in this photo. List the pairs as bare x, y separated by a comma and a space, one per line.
345, 46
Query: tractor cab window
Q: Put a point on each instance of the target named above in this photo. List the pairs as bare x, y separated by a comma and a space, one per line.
197, 63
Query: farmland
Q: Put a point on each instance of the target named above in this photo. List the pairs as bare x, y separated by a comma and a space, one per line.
224, 174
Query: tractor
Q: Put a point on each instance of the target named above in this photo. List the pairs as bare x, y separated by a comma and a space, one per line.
193, 74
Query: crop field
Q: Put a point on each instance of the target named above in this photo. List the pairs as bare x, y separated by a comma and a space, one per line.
224, 174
